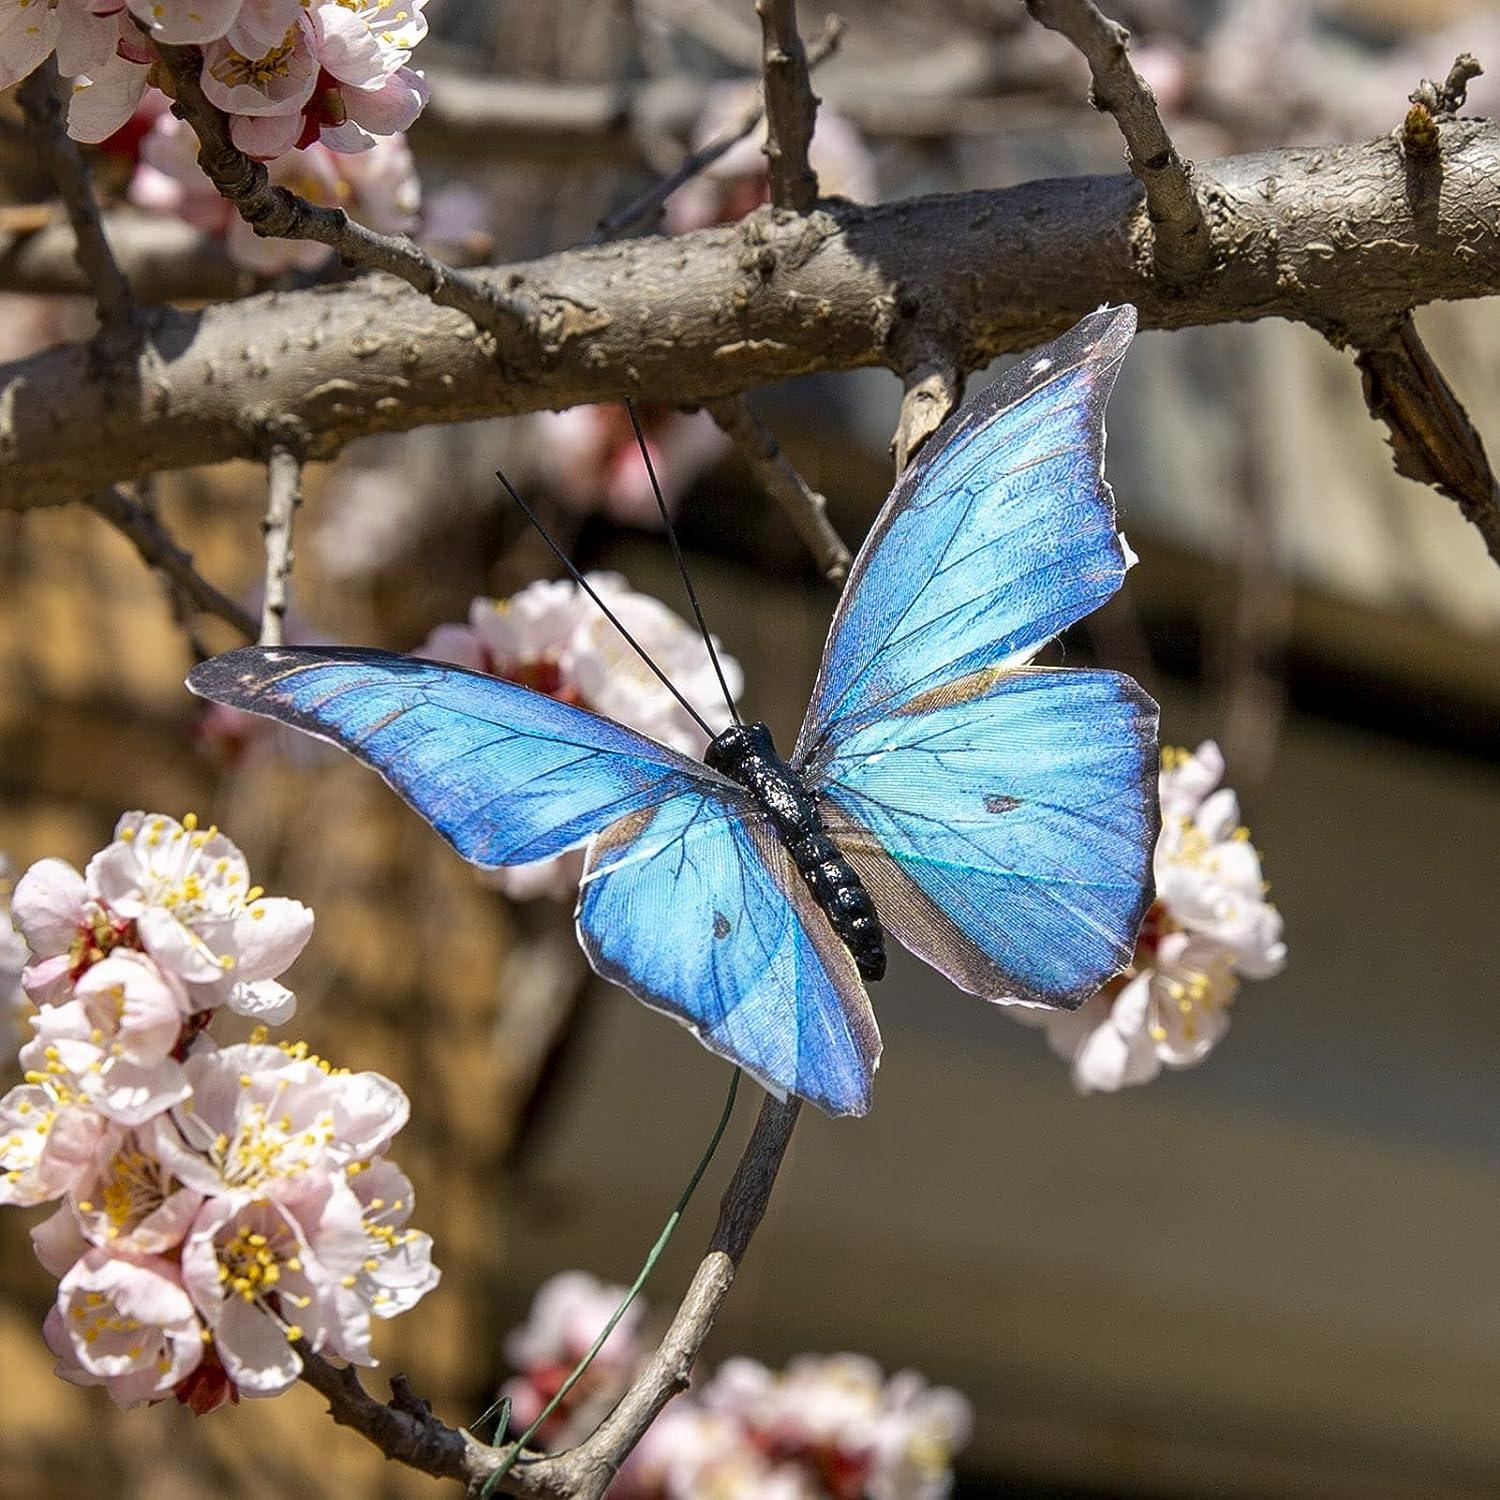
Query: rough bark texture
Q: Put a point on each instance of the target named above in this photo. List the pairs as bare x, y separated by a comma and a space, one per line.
1336, 237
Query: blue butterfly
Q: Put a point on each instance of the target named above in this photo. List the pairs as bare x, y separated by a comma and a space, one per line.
997, 818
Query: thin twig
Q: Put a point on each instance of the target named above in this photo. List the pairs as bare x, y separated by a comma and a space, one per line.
1181, 244
1432, 438
58, 152
651, 202
158, 550
805, 508
791, 106
278, 213
283, 496
405, 1430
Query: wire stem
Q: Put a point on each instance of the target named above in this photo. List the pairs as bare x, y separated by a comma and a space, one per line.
649, 1264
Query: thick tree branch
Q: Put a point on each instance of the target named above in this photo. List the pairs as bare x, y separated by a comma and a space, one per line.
791, 106
1334, 237
1432, 438
280, 214
406, 1430
1182, 246
805, 508
64, 162
175, 563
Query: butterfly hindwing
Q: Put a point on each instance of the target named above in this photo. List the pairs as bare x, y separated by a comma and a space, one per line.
696, 908
1004, 827
1002, 818
1000, 535
506, 775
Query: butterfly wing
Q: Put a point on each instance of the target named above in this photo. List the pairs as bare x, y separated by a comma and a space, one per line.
506, 775
998, 537
1002, 819
695, 907
1004, 826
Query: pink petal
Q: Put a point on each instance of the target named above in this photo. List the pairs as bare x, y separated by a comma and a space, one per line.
348, 48
392, 107
27, 36
265, 137
102, 104
187, 21
47, 906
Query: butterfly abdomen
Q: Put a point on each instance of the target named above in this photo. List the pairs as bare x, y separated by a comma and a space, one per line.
746, 754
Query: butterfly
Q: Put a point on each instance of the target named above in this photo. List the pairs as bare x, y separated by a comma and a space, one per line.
995, 817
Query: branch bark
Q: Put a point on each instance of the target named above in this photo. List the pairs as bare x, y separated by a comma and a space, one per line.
158, 550
283, 496
805, 508
406, 1430
1333, 237
1432, 438
65, 164
791, 107
1182, 246
280, 214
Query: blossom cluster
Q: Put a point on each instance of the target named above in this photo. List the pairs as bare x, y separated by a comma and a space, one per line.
825, 1428
552, 638
221, 1206
1209, 926
286, 73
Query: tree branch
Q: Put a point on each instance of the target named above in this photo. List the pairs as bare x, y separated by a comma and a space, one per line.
805, 508
64, 162
791, 106
158, 550
1432, 438
406, 1430
279, 213
1333, 237
283, 496
1181, 238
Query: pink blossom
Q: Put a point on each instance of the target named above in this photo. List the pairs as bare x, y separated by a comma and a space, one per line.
552, 638
591, 461
739, 181
266, 1118
82, 34
124, 1323
189, 895
378, 188
376, 1267
567, 1314
251, 1274
49, 1141
189, 22
131, 1200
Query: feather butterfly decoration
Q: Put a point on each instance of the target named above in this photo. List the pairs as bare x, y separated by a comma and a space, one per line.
996, 818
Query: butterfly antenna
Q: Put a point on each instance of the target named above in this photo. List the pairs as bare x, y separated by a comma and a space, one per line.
687, 582
607, 612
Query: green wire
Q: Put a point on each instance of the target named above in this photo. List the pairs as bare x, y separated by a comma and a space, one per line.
511, 1458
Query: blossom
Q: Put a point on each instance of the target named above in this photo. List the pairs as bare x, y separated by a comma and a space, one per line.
379, 1268
251, 1273
567, 1314
1209, 927
130, 1200
189, 895
739, 180
48, 1141
590, 459
82, 34
13, 952
378, 188
264, 1119
124, 1323
552, 638
336, 73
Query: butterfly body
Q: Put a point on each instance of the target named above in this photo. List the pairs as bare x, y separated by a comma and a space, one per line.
999, 815
746, 753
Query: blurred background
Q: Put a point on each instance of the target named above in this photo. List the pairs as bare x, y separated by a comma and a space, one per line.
1272, 1275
